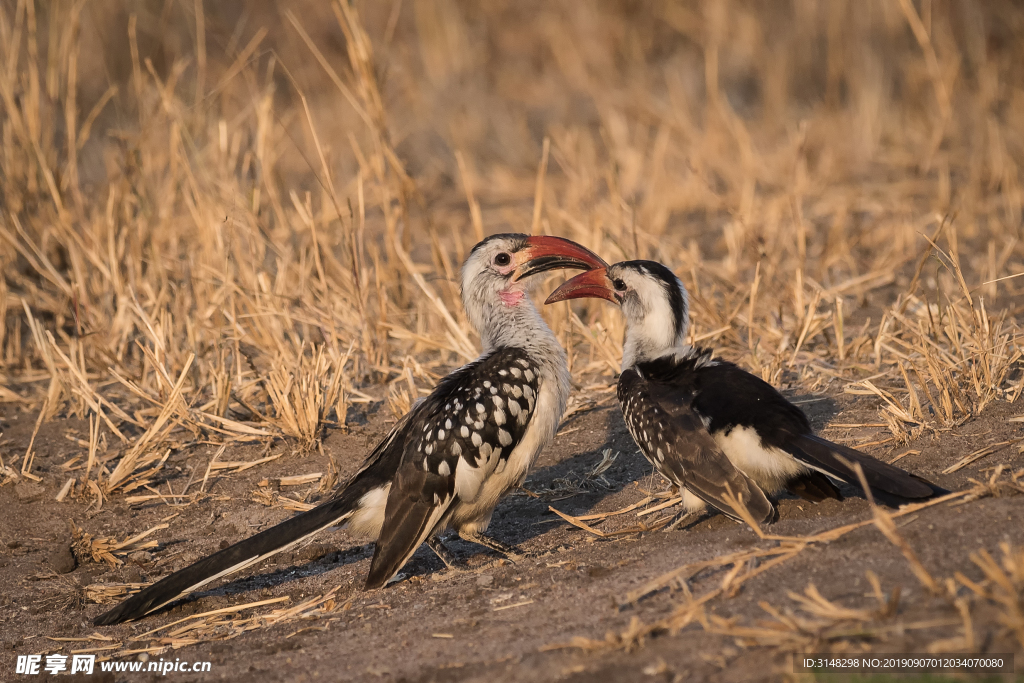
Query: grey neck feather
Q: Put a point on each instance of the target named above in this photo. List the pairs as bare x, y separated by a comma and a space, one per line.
523, 327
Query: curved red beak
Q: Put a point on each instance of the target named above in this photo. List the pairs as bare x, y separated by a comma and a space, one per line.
543, 253
593, 284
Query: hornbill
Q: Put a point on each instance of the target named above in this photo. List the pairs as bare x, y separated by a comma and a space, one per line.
708, 425
450, 459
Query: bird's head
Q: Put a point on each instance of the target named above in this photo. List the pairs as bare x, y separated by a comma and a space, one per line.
653, 301
498, 274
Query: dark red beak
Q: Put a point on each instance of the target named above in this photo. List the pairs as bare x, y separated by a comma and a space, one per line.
543, 253
593, 284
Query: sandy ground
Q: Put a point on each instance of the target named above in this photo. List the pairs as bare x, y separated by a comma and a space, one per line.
492, 619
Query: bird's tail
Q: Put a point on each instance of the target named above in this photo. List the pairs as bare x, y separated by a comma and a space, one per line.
234, 558
890, 484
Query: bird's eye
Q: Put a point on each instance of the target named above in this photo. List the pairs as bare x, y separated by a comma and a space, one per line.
502, 259
619, 285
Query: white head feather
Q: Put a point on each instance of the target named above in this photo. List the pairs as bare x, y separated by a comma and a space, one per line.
656, 307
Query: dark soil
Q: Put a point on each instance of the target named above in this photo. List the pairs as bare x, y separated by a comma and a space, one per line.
447, 625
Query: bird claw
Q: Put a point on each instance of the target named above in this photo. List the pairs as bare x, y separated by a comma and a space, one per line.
514, 557
511, 553
678, 520
442, 552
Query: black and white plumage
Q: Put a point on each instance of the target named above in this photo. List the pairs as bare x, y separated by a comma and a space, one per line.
708, 425
459, 446
448, 462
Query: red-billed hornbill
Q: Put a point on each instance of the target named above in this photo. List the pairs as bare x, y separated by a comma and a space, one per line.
447, 462
706, 424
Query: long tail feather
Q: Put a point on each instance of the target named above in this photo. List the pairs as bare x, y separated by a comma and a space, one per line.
825, 456
232, 559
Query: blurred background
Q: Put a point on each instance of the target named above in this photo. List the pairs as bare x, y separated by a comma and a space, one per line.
210, 205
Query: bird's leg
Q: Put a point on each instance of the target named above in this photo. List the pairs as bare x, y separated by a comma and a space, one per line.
437, 545
510, 552
681, 517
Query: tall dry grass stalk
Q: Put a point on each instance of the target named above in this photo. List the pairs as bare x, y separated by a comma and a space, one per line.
838, 183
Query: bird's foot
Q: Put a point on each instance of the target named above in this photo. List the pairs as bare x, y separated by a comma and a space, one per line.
680, 519
442, 552
511, 553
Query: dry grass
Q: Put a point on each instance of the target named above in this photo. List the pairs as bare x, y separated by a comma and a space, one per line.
817, 624
221, 227
86, 548
219, 624
222, 224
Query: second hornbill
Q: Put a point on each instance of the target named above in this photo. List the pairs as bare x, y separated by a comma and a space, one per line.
451, 458
708, 425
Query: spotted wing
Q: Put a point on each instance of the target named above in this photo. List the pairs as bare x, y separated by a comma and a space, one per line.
457, 437
674, 439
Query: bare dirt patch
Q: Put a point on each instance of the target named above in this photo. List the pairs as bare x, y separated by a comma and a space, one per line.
493, 619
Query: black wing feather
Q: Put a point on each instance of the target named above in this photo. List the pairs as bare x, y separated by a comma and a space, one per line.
673, 438
419, 497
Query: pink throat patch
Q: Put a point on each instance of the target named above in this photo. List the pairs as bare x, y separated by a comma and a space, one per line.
511, 297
